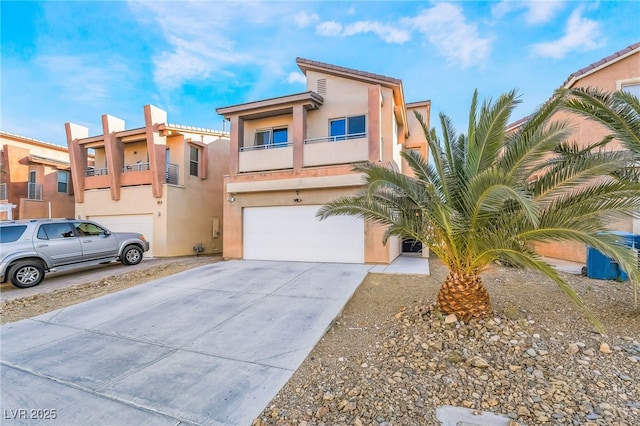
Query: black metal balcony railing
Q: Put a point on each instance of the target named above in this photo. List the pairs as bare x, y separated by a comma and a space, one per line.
137, 167
268, 146
336, 138
3, 191
34, 191
171, 173
92, 171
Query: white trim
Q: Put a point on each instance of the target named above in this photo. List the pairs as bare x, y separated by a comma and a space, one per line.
356, 179
627, 82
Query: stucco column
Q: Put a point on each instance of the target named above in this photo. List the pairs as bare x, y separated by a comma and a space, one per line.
156, 147
299, 133
236, 140
114, 152
373, 126
77, 158
231, 226
402, 139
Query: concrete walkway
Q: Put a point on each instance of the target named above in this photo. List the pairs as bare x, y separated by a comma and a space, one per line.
208, 346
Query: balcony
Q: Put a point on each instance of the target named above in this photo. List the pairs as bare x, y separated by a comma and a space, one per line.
266, 157
93, 171
3, 192
34, 191
336, 150
137, 167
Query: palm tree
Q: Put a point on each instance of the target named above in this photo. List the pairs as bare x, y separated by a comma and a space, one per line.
491, 194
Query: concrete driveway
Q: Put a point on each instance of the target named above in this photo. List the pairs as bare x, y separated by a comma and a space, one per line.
212, 345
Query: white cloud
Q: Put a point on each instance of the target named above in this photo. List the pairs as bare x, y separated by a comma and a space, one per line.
541, 12
581, 34
84, 78
537, 12
304, 19
447, 30
329, 28
502, 8
389, 34
297, 77
198, 45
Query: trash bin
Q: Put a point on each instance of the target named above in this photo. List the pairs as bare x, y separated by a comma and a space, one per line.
602, 267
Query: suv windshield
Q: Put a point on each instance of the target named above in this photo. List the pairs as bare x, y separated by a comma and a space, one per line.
9, 234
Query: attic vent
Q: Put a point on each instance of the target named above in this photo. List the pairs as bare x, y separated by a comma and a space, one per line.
322, 86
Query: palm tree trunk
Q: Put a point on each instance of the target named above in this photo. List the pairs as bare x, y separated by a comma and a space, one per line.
465, 296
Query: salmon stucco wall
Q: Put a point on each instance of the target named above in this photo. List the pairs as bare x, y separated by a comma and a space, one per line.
20, 157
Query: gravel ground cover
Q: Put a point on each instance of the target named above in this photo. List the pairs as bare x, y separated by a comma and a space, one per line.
392, 359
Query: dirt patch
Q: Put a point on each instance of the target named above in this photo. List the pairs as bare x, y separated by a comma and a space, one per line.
37, 304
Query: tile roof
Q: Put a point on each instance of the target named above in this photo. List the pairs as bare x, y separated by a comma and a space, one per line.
46, 160
518, 123
600, 64
302, 62
27, 139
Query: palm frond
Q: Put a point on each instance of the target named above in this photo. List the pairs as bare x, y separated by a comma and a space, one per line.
619, 111
489, 135
533, 262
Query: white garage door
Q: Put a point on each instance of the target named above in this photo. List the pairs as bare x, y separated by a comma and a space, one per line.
142, 223
294, 233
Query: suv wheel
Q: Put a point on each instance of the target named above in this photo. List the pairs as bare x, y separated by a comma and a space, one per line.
132, 255
26, 274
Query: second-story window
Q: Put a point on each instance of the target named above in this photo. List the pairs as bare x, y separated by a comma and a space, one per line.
194, 160
347, 128
63, 181
272, 137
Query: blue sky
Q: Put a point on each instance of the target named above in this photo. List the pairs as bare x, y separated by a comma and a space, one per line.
72, 61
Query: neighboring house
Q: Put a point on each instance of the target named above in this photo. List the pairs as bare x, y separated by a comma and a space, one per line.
291, 154
34, 179
619, 71
163, 180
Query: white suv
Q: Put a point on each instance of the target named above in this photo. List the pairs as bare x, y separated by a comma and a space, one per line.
31, 247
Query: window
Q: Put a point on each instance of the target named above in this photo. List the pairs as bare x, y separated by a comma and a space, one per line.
634, 89
347, 128
63, 182
12, 233
263, 137
52, 231
88, 228
194, 161
272, 137
280, 136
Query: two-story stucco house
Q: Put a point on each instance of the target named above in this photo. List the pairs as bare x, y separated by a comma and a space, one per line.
35, 181
619, 71
163, 180
291, 154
